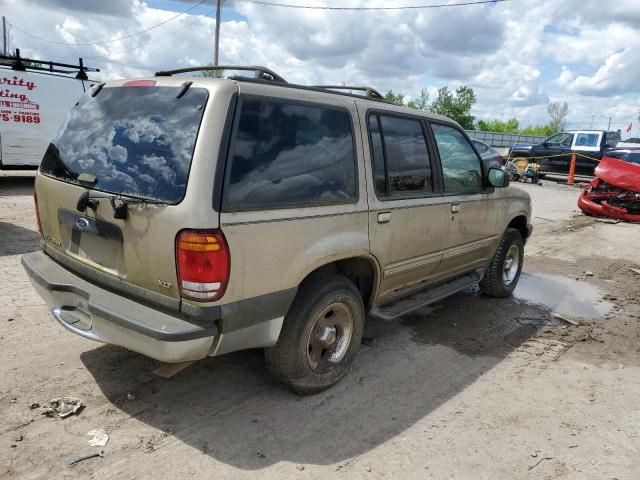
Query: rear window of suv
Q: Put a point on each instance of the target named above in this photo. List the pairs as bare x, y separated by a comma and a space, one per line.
136, 141
288, 154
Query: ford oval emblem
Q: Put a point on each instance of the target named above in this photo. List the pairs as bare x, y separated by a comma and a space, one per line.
82, 223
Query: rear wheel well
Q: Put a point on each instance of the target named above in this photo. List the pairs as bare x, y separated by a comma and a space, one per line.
520, 224
358, 270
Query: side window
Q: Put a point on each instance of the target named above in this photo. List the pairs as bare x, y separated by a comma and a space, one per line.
288, 154
480, 147
460, 165
562, 139
567, 141
379, 175
612, 138
401, 162
587, 139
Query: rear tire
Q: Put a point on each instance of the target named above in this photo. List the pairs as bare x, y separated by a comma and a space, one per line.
320, 335
502, 276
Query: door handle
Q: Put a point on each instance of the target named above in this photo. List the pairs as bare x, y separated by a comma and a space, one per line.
455, 207
384, 217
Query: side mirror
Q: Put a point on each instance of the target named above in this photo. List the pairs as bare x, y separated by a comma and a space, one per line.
545, 143
498, 178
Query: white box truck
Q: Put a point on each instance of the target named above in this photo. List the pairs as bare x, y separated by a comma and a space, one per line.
35, 97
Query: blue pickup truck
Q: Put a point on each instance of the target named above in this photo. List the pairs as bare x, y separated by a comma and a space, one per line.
553, 154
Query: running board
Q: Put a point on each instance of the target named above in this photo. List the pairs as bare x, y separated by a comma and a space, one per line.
423, 298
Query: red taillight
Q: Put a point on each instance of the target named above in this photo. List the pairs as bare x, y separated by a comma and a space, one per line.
202, 260
35, 201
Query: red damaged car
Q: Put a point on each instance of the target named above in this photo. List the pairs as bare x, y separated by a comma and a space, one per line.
615, 192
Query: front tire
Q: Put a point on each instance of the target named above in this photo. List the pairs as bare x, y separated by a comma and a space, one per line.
320, 335
502, 276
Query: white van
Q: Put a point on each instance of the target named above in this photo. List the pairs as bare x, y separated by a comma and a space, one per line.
35, 97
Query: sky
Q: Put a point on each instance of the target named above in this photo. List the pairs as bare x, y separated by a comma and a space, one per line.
517, 55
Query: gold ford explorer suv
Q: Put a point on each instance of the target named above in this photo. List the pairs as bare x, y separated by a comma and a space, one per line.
185, 218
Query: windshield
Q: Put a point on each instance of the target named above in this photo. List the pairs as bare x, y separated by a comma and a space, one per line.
136, 141
632, 158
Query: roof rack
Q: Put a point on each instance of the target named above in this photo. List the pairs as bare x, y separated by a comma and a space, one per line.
265, 74
368, 91
261, 73
22, 64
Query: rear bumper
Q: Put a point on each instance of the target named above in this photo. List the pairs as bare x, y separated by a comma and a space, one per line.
98, 314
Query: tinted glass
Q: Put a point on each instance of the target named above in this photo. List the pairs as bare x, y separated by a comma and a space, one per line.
406, 155
632, 158
613, 138
587, 139
136, 141
286, 154
460, 164
379, 176
480, 147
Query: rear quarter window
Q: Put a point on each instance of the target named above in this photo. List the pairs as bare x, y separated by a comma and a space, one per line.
286, 154
587, 139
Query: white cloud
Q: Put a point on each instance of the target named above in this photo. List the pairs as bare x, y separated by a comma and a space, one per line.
516, 55
566, 76
619, 74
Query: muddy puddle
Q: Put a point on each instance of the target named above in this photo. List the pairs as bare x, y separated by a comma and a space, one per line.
475, 324
566, 296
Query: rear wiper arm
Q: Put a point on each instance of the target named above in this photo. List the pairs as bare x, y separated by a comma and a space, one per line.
88, 199
119, 203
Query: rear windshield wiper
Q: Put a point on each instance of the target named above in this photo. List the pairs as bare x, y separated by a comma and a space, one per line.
59, 168
119, 203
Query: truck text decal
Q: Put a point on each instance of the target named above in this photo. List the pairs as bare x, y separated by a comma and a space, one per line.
15, 105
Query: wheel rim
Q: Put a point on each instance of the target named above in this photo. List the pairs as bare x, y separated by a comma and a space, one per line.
329, 338
511, 265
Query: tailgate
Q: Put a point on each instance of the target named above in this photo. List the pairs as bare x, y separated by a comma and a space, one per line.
128, 147
139, 250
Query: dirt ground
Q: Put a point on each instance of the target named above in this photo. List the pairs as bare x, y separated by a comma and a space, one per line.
472, 388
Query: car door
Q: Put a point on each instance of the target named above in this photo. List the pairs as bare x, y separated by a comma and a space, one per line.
406, 210
588, 145
556, 153
471, 210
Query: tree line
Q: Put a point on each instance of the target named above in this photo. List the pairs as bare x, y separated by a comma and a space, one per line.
457, 105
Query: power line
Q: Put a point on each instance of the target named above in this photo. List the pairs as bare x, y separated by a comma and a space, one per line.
113, 39
405, 7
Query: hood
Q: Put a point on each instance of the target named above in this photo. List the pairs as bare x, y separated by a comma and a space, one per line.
619, 173
522, 146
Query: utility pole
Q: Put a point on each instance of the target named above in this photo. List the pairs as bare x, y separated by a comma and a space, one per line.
217, 41
609, 128
4, 36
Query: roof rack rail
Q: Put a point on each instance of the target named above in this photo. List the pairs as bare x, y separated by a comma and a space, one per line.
22, 64
261, 73
368, 91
